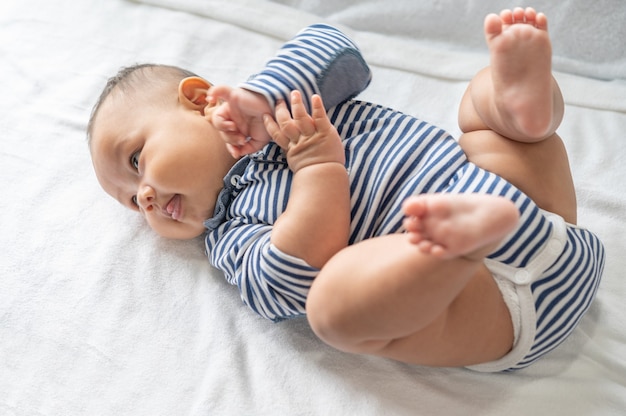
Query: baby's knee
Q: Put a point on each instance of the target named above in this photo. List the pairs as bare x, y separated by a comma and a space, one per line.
332, 314
324, 313
336, 331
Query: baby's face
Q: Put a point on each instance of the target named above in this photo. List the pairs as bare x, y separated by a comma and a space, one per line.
165, 161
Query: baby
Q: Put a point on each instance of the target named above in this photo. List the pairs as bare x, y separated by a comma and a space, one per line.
394, 238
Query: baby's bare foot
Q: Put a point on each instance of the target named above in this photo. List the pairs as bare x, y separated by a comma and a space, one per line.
521, 62
458, 225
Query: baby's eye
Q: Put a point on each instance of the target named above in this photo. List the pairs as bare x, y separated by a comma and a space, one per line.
134, 160
134, 200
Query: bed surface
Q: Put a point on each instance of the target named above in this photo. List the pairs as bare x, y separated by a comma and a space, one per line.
99, 316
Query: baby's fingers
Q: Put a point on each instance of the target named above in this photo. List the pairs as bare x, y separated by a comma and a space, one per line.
273, 129
318, 113
300, 116
229, 132
288, 127
241, 150
224, 125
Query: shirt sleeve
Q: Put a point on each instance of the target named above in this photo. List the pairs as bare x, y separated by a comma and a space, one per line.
272, 283
318, 60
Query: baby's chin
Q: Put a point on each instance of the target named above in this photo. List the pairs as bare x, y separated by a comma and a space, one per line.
180, 230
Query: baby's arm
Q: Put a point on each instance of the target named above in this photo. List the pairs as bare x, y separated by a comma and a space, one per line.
318, 60
315, 225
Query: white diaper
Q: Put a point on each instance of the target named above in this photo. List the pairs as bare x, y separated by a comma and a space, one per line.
509, 294
515, 285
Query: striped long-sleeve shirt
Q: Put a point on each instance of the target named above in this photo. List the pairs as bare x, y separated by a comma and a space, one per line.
389, 156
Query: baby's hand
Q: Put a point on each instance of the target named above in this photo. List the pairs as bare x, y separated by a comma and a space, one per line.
239, 118
306, 139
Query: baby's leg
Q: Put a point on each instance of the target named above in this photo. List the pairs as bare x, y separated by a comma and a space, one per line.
431, 303
516, 96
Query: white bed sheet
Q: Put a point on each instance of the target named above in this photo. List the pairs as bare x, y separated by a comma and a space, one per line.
98, 316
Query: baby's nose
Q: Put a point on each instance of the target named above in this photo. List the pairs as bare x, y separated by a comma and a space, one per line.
146, 197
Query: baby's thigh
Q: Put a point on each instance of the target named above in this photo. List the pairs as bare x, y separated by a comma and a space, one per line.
541, 170
475, 328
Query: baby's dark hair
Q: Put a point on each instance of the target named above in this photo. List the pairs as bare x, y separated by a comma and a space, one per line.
133, 78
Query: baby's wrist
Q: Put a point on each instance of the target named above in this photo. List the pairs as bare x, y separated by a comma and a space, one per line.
320, 167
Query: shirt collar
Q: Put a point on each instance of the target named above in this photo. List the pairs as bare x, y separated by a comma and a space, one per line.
226, 195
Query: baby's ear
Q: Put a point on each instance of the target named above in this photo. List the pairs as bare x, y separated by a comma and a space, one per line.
192, 92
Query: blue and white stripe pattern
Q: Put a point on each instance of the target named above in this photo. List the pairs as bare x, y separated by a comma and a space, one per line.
319, 60
389, 156
564, 292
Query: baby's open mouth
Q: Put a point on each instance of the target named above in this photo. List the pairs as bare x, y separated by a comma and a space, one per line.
174, 208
